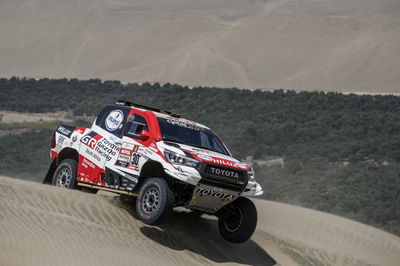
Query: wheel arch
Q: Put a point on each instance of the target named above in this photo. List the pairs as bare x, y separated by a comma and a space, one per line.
152, 169
66, 153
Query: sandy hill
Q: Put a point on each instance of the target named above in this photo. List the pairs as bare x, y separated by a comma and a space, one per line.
44, 225
345, 45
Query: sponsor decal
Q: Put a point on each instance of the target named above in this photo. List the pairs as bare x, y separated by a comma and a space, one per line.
205, 157
129, 146
146, 151
121, 163
129, 162
114, 120
87, 163
60, 143
224, 173
132, 178
124, 158
89, 141
106, 149
183, 124
215, 193
99, 149
94, 155
65, 130
119, 179
128, 183
225, 162
127, 156
125, 152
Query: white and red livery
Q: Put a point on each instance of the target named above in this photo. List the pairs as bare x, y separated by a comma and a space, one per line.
162, 161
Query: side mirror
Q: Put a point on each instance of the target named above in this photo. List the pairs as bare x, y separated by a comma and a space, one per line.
144, 135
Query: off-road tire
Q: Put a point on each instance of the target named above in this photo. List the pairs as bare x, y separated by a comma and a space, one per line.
155, 201
65, 174
238, 220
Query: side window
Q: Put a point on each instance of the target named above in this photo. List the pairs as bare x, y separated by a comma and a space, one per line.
135, 126
112, 119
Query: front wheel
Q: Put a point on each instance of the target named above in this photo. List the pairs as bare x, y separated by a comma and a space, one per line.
155, 201
237, 221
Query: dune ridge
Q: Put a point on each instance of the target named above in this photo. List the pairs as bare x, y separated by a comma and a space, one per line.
45, 225
342, 45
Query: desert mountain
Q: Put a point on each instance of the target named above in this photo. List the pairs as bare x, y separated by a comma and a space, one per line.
344, 45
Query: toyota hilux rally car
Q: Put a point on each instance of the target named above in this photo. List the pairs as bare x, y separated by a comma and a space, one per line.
160, 160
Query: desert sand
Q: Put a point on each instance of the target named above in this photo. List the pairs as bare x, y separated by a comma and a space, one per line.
45, 225
341, 45
20, 117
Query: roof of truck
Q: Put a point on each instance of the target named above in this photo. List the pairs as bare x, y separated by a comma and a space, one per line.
161, 113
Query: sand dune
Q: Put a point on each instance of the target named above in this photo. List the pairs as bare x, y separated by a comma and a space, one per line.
44, 225
345, 45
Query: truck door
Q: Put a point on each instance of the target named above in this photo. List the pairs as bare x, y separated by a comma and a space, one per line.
130, 156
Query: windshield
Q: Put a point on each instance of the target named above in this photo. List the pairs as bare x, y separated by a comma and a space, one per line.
189, 134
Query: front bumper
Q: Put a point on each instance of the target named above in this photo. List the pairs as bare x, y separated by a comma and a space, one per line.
199, 175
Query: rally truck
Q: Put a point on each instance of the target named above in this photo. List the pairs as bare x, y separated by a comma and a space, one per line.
160, 161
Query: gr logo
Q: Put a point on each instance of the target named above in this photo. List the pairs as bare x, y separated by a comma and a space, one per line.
89, 141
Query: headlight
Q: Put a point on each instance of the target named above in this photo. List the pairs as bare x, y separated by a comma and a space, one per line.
251, 174
178, 159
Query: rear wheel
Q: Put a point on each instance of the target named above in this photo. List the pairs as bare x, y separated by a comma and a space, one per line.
65, 174
237, 221
155, 201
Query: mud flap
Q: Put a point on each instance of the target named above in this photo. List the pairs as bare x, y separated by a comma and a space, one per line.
210, 199
50, 172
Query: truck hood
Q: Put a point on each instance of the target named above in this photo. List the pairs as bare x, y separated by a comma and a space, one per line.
204, 155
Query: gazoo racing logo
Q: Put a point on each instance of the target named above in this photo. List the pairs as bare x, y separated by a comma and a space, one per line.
214, 193
89, 141
224, 173
114, 119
